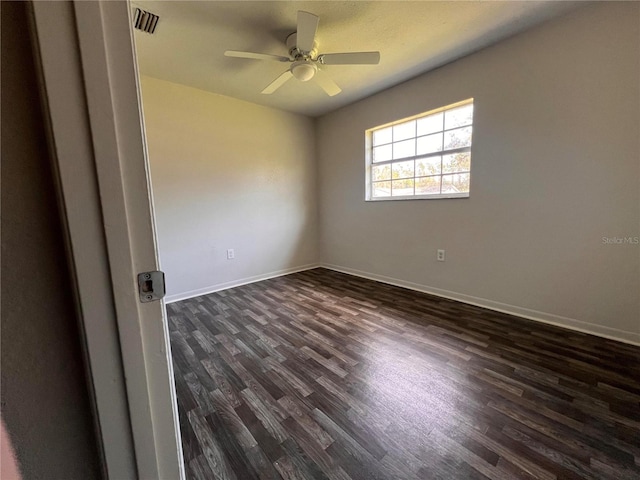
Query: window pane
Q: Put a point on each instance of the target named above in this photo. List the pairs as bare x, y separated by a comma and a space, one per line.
404, 131
403, 169
428, 185
380, 154
402, 188
404, 149
381, 189
460, 137
430, 124
381, 172
456, 183
456, 162
429, 144
382, 136
428, 166
458, 117
428, 157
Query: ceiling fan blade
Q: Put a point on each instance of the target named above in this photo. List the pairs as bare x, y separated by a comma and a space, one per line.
352, 58
256, 56
328, 85
277, 83
307, 27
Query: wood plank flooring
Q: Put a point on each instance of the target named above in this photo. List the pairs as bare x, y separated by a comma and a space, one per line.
321, 375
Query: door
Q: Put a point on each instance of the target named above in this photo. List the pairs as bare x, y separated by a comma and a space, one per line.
91, 97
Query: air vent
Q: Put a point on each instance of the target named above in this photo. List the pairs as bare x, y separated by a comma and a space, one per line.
145, 21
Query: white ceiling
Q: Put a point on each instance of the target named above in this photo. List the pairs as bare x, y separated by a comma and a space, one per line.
413, 37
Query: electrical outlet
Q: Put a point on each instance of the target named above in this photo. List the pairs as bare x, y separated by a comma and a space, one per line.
440, 255
231, 254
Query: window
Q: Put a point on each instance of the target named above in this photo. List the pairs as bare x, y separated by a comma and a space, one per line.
427, 156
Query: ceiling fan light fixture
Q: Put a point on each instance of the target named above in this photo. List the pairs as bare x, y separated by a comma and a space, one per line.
304, 70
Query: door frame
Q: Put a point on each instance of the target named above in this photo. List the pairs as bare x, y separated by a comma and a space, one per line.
91, 97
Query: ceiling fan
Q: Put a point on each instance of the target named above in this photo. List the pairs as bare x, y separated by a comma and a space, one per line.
304, 57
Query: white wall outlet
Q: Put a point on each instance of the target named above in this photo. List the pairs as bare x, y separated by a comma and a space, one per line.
440, 255
231, 254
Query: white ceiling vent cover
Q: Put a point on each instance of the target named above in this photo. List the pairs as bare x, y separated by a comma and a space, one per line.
145, 21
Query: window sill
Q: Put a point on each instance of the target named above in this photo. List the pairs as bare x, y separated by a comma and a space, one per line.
418, 197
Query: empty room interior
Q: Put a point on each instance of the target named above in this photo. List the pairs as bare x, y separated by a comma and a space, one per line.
402, 243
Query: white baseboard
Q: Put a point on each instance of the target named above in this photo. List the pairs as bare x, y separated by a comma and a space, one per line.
236, 283
632, 338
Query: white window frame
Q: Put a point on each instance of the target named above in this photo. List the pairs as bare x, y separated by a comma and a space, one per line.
369, 157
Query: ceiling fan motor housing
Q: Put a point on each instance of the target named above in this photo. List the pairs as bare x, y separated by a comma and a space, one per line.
295, 53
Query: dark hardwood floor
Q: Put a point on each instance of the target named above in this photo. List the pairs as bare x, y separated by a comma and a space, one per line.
323, 375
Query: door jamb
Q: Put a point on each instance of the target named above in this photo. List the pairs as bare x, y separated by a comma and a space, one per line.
92, 105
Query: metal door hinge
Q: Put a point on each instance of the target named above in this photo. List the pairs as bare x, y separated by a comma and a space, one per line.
151, 286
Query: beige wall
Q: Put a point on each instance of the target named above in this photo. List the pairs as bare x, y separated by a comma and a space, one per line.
555, 168
228, 174
45, 399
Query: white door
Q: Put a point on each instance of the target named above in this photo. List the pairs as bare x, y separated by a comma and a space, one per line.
91, 96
